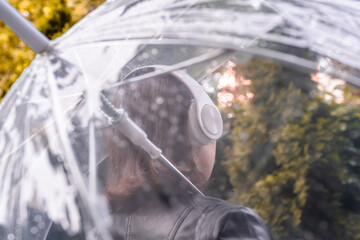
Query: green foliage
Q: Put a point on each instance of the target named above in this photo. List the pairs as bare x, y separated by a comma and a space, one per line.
51, 17
294, 157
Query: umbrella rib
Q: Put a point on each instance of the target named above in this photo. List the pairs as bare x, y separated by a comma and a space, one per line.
46, 100
181, 65
73, 166
92, 159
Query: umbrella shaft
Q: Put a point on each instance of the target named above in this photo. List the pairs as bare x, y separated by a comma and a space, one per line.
177, 173
37, 41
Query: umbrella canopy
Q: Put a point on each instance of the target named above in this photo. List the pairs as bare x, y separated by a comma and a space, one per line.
54, 138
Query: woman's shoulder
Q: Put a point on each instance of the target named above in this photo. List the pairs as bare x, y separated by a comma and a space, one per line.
223, 220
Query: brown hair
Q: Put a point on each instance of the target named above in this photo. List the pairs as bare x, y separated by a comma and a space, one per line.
160, 107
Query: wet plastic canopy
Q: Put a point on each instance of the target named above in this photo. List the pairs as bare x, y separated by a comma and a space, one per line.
54, 137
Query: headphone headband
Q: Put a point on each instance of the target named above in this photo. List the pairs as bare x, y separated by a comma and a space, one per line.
205, 120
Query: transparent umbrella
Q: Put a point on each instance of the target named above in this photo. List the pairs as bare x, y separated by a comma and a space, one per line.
57, 119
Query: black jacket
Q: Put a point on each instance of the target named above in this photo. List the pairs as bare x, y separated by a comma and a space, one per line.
197, 217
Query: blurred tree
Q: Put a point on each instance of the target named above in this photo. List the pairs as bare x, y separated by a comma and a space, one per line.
294, 156
51, 17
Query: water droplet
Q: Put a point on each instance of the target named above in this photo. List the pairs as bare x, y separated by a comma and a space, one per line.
173, 130
11, 236
154, 107
154, 51
174, 120
159, 100
34, 230
145, 56
179, 98
163, 113
122, 144
37, 218
354, 134
140, 58
256, 4
25, 13
41, 225
217, 75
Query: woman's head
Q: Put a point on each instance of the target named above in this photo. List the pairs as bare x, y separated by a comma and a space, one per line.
160, 107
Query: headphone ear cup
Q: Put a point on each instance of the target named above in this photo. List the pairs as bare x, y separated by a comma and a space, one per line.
196, 134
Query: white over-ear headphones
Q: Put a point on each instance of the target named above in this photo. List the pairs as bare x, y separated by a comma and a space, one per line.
205, 122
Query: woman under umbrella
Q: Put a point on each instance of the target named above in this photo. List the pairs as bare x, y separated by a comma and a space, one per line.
148, 201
